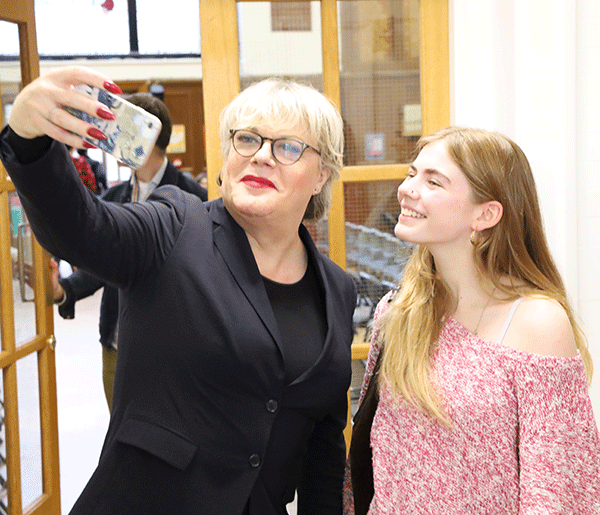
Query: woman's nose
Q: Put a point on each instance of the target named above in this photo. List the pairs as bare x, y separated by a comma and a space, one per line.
265, 152
405, 190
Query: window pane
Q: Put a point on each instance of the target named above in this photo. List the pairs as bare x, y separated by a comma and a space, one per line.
9, 39
171, 27
379, 79
72, 27
30, 432
375, 257
23, 271
371, 213
264, 52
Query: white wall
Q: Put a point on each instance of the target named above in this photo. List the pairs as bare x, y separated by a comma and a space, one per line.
529, 68
586, 174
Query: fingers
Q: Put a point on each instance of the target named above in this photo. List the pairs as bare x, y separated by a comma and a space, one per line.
39, 109
57, 289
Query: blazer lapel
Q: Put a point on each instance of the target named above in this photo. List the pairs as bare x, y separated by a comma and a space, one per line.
232, 243
170, 175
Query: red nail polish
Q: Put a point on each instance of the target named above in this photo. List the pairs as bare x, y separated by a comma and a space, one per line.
105, 114
88, 145
112, 87
96, 133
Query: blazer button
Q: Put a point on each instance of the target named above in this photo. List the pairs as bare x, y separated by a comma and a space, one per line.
254, 460
272, 406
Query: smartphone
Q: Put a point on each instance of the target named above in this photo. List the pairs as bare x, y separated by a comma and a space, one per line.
130, 137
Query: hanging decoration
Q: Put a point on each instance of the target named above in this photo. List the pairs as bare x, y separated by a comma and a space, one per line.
107, 6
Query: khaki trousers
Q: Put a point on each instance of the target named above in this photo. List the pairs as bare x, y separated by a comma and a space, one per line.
109, 360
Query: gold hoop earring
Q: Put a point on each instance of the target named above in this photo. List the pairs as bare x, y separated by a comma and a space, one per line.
472, 237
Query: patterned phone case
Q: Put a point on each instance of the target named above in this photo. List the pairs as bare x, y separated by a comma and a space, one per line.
131, 136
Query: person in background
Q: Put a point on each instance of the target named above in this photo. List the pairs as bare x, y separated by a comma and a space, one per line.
84, 169
475, 397
98, 170
234, 358
157, 171
202, 179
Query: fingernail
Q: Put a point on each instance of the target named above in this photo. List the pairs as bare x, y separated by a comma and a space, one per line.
112, 87
88, 145
96, 133
105, 114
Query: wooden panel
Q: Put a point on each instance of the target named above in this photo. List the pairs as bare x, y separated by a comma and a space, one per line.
374, 173
435, 65
184, 101
331, 88
15, 11
221, 77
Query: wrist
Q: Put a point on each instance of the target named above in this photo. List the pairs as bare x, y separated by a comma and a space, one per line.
62, 299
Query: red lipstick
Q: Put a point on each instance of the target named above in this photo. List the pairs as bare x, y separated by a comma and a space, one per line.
257, 182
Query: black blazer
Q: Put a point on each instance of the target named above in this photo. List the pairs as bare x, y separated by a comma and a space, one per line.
199, 392
81, 284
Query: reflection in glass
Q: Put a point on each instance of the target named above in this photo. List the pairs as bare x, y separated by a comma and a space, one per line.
21, 251
379, 79
3, 468
30, 433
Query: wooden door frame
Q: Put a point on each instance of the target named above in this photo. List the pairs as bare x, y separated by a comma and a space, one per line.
23, 14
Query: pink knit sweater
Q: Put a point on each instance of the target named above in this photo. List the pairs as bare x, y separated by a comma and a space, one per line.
523, 441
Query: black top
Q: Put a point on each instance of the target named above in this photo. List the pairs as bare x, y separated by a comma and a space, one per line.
299, 310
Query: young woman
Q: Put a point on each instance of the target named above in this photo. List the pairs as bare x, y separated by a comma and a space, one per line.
234, 330
480, 401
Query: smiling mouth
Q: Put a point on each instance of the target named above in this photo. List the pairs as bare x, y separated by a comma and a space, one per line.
257, 182
411, 214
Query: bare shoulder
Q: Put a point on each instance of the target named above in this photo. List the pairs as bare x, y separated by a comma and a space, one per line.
541, 326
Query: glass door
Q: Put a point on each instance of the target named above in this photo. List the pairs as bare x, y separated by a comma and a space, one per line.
29, 471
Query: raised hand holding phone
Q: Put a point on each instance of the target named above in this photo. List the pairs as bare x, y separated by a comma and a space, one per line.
130, 136
37, 110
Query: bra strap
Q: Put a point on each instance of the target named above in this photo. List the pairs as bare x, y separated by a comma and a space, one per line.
508, 319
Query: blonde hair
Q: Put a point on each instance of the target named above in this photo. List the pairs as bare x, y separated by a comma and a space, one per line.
516, 248
284, 102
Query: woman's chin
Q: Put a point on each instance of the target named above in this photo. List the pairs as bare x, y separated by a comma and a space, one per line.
251, 206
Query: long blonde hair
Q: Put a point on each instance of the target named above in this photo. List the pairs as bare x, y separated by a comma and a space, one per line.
516, 248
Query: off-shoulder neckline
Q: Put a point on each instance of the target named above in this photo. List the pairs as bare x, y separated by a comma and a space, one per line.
451, 322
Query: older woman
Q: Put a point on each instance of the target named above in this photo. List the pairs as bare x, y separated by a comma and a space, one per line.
235, 332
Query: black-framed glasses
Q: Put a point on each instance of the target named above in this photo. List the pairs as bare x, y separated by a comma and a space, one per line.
286, 151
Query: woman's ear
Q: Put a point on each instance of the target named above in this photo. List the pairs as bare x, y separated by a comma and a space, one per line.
490, 214
324, 174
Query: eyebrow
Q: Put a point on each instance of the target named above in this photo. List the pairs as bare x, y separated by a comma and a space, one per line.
431, 171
